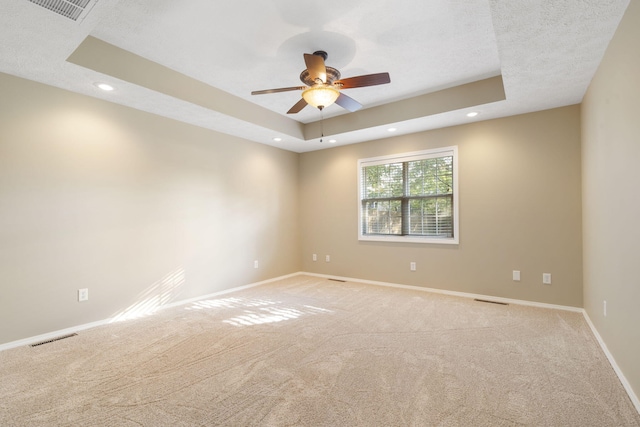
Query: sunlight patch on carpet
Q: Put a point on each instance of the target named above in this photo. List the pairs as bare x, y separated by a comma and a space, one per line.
257, 311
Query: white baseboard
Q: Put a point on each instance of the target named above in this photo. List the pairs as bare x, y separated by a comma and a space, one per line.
75, 329
51, 335
453, 293
614, 365
616, 368
603, 346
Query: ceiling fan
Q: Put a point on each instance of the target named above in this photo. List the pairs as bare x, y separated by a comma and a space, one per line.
323, 85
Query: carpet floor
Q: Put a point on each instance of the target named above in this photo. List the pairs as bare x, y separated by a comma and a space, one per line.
306, 351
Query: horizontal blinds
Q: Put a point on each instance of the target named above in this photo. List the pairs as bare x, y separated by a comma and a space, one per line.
408, 198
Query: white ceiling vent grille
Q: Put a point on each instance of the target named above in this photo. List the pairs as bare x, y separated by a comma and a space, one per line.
71, 9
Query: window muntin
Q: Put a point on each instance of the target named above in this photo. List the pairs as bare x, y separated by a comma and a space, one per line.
409, 197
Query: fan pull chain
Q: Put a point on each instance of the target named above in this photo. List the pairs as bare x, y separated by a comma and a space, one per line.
321, 126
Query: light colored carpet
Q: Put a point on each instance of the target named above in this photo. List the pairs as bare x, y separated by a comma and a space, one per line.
307, 351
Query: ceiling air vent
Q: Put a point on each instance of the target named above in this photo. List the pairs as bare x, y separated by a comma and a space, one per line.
71, 9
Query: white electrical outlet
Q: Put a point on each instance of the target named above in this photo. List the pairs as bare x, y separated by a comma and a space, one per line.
315, 257
83, 294
412, 266
516, 275
605, 308
327, 258
546, 278
255, 264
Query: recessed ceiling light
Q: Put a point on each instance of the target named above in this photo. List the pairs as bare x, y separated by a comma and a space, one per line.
277, 139
392, 129
104, 86
472, 114
333, 141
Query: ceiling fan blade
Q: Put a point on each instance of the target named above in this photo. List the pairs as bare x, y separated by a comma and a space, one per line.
299, 106
282, 89
348, 103
316, 67
362, 81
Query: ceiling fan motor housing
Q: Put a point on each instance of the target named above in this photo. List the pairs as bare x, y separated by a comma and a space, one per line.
321, 53
332, 75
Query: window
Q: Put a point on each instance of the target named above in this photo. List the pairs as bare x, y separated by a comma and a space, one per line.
410, 197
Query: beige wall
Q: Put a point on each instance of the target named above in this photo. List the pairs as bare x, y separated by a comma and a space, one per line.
520, 209
143, 210
611, 181
134, 207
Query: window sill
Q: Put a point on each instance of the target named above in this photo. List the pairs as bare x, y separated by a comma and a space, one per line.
410, 239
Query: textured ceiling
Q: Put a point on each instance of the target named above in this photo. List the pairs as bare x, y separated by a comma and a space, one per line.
198, 61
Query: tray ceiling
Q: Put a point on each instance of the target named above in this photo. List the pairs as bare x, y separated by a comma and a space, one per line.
197, 61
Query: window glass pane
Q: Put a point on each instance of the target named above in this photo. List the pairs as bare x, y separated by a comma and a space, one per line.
432, 216
382, 217
410, 195
431, 176
382, 181
445, 175
420, 180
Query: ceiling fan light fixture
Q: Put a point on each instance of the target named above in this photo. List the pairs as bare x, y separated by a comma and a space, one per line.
321, 96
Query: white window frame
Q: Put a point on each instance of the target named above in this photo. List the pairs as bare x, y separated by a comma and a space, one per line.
405, 157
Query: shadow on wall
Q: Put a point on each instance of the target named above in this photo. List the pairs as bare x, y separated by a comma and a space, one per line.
154, 297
